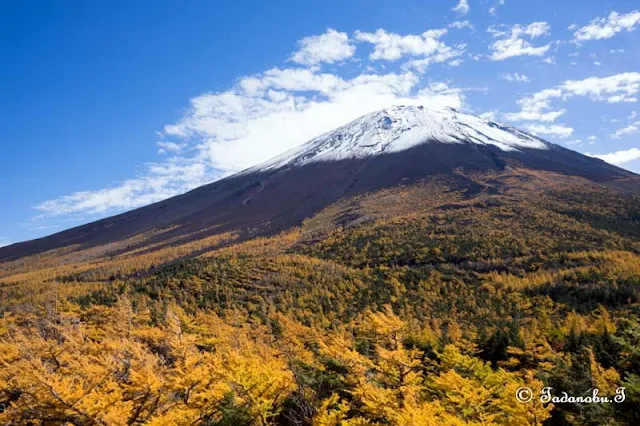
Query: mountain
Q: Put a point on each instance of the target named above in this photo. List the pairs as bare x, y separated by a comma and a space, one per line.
414, 267
395, 146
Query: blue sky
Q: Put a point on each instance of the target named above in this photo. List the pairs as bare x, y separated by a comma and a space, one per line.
110, 105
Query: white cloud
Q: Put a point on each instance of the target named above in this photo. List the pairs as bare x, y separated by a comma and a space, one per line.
603, 28
289, 79
461, 24
427, 48
259, 117
444, 54
241, 128
494, 9
511, 42
392, 46
629, 130
574, 142
462, 7
489, 115
332, 46
537, 29
537, 107
160, 181
4, 242
166, 147
558, 130
619, 157
515, 77
613, 89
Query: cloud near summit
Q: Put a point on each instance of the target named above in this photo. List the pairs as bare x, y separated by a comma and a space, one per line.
333, 77
263, 115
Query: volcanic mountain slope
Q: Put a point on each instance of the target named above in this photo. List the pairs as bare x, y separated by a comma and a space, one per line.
395, 146
438, 263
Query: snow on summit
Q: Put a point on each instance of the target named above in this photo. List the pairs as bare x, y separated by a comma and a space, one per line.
402, 127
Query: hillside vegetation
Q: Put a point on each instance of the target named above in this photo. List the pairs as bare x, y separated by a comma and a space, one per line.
430, 304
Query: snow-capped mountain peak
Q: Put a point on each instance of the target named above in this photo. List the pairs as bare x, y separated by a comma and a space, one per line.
399, 128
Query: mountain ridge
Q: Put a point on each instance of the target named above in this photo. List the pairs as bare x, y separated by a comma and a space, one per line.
282, 192
399, 128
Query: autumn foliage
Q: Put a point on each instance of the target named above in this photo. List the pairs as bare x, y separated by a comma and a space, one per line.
411, 306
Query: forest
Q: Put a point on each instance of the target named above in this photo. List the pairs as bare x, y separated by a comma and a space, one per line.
418, 305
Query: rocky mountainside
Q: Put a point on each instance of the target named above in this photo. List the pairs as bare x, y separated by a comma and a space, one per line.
396, 146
